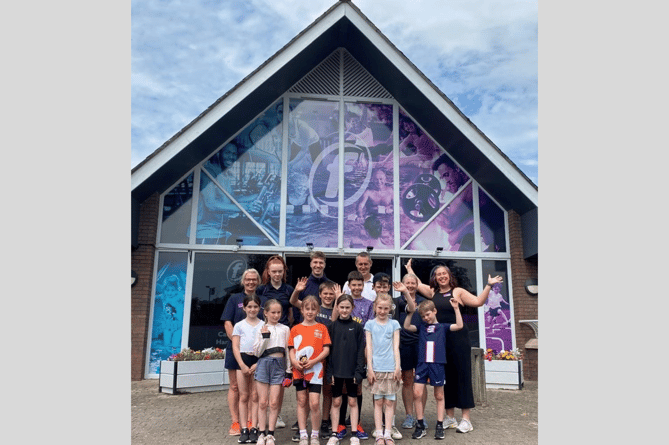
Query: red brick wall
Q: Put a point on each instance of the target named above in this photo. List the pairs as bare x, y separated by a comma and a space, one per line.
142, 263
525, 306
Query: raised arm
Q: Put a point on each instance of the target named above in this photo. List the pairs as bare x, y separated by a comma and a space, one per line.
424, 289
468, 299
295, 296
407, 322
458, 316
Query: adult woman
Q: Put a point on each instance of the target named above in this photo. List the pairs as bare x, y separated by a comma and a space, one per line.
233, 313
458, 391
274, 287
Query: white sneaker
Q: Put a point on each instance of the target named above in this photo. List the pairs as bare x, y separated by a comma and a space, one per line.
280, 423
395, 434
333, 440
465, 426
450, 422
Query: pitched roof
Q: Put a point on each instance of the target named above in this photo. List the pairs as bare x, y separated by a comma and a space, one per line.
342, 25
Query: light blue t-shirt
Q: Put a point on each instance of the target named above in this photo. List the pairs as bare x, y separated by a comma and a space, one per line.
383, 358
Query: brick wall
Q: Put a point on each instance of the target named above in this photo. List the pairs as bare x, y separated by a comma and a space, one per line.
142, 263
525, 306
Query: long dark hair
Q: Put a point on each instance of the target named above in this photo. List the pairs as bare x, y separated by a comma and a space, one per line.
433, 278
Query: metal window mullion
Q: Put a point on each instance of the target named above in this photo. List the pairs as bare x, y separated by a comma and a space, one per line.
480, 311
396, 176
477, 223
188, 295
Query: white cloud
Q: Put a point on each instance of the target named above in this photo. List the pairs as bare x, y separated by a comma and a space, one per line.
482, 55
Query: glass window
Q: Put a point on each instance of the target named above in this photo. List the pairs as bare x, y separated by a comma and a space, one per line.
168, 307
216, 277
497, 309
313, 169
368, 176
493, 229
175, 225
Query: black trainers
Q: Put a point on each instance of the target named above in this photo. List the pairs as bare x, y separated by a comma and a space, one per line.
347, 422
244, 436
326, 430
439, 431
419, 432
296, 437
295, 427
253, 435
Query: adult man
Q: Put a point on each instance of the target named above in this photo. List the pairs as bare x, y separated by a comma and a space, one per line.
317, 265
363, 262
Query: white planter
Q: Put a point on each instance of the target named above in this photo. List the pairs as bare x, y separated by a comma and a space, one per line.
193, 376
504, 374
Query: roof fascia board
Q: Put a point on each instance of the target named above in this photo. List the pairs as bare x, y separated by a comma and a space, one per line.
242, 90
432, 94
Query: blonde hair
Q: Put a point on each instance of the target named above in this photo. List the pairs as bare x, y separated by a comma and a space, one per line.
426, 305
382, 297
310, 299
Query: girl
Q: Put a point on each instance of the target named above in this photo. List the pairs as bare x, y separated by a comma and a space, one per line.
346, 364
458, 391
243, 336
271, 345
274, 278
408, 343
233, 313
309, 345
383, 366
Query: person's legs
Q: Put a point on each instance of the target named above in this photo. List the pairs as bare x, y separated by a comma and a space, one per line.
418, 390
389, 406
378, 416
274, 405
315, 410
263, 390
233, 397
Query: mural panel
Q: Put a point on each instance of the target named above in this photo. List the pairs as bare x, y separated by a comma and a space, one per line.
313, 173
241, 197
497, 309
168, 308
368, 176
176, 213
493, 228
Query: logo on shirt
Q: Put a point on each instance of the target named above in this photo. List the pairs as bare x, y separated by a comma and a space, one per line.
318, 333
431, 328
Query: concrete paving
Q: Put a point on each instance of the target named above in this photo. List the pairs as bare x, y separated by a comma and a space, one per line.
507, 417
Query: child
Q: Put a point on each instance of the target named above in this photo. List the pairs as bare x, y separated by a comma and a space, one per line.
243, 336
431, 360
408, 343
383, 365
271, 346
363, 311
309, 344
326, 292
346, 363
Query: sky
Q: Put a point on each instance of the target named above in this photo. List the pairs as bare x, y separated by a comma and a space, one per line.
482, 55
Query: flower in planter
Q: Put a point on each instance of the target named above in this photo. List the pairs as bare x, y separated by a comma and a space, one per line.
514, 354
188, 354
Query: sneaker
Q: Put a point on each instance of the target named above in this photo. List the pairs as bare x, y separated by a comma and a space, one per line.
253, 435
341, 432
295, 427
334, 440
269, 440
314, 441
418, 433
450, 422
439, 432
395, 433
347, 422
303, 440
296, 437
326, 430
409, 422
280, 423
244, 436
354, 440
465, 426
261, 439
361, 434
234, 429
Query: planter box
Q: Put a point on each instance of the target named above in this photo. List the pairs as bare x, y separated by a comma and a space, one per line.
193, 376
504, 374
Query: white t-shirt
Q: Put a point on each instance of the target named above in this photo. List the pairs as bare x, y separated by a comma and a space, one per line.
247, 335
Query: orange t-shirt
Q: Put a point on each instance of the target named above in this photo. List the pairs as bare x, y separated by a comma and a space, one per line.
309, 342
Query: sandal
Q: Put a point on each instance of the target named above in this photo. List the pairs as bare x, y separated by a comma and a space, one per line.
380, 440
389, 440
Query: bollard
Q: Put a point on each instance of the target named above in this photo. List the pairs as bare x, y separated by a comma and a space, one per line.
478, 377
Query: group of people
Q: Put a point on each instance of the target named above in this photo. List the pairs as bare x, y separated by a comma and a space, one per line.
321, 338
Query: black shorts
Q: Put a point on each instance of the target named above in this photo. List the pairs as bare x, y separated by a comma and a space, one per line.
249, 359
302, 385
408, 357
351, 388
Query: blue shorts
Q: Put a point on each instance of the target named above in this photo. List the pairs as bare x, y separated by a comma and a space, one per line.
434, 372
230, 360
270, 370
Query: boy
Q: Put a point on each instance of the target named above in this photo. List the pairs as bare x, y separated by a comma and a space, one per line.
327, 291
431, 360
